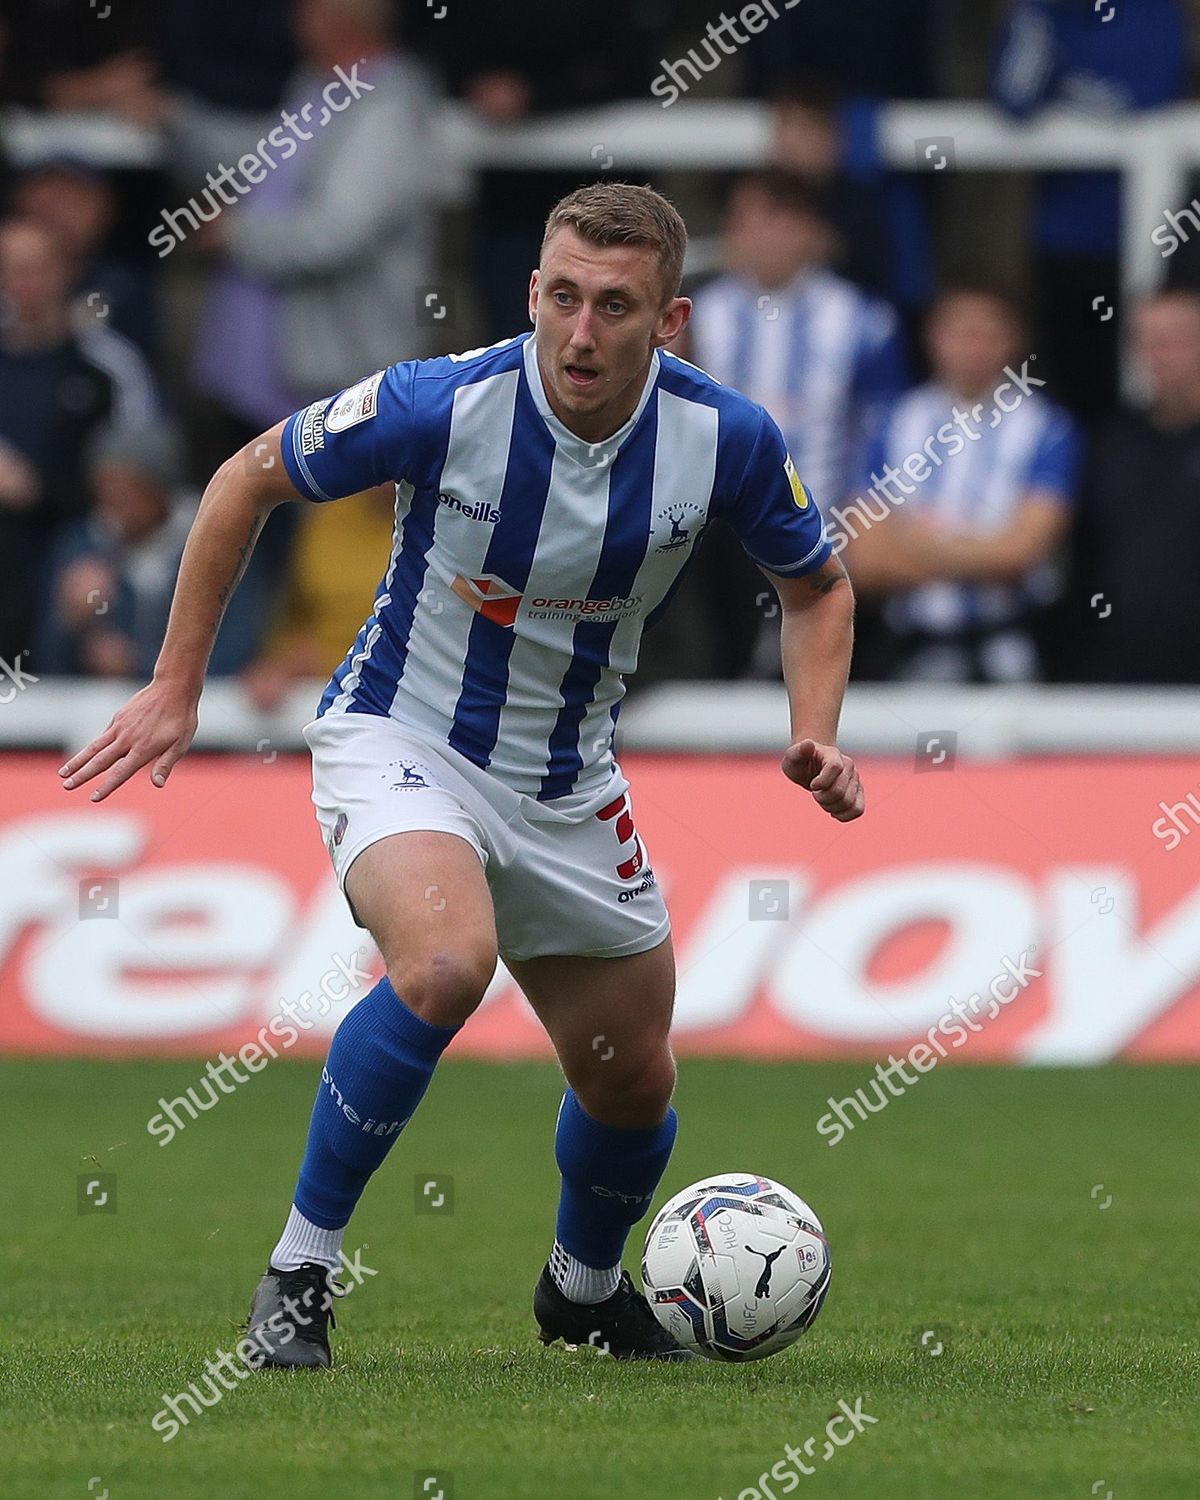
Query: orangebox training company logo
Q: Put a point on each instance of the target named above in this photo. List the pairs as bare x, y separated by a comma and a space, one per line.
490, 597
595, 611
496, 600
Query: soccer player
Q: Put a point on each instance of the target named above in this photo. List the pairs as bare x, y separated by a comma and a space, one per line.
548, 492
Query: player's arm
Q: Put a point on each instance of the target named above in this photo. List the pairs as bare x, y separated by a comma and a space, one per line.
817, 638
779, 525
157, 723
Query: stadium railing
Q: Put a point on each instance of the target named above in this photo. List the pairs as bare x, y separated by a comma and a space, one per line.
982, 723
1153, 150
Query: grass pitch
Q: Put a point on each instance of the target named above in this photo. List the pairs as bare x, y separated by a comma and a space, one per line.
1038, 1228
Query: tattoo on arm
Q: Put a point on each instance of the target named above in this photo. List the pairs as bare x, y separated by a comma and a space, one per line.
239, 567
827, 577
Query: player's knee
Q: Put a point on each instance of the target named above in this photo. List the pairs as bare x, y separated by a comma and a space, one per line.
636, 1097
445, 985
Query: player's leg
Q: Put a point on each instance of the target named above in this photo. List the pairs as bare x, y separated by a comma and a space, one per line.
609, 1020
424, 898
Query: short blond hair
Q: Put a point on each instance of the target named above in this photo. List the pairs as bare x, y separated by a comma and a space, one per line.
621, 213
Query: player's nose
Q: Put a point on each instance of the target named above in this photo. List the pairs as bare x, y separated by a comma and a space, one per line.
584, 334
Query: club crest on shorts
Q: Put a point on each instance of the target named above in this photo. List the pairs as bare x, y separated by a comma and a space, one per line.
410, 779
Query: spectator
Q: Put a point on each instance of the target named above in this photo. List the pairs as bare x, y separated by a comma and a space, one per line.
818, 353
340, 554
78, 203
880, 216
1137, 547
112, 575
327, 252
1108, 59
985, 502
57, 387
808, 136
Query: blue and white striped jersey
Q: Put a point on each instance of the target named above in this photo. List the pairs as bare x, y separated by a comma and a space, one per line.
978, 485
526, 561
821, 355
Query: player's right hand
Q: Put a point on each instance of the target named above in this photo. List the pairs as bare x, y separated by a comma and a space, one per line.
157, 724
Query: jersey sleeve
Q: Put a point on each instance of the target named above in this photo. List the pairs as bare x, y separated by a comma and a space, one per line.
1057, 460
355, 440
774, 514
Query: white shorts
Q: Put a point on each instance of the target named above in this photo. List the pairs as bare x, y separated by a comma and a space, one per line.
576, 882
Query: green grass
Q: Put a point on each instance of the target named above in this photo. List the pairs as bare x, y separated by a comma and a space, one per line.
966, 1208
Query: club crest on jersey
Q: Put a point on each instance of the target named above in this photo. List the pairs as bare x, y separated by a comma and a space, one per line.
358, 404
680, 536
490, 597
800, 491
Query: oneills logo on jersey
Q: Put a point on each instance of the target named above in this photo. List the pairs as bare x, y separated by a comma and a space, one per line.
480, 511
800, 492
489, 596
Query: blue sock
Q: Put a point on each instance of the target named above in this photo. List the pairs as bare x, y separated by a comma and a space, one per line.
380, 1062
609, 1175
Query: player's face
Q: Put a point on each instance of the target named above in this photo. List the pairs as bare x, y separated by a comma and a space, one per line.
971, 339
599, 313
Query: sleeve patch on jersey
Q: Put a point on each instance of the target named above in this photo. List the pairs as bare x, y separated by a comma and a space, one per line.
800, 492
312, 429
358, 404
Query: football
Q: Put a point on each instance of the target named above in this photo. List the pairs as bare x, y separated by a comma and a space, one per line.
736, 1267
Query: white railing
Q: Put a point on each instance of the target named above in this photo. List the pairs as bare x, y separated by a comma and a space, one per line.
1153, 150
990, 723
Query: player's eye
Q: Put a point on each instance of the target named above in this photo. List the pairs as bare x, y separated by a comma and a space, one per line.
614, 306
563, 299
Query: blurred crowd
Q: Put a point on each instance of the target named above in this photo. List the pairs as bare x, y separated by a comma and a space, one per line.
949, 389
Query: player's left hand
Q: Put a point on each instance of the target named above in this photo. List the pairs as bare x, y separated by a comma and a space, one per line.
829, 774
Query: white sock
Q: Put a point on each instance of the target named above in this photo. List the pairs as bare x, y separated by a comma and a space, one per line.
303, 1240
580, 1283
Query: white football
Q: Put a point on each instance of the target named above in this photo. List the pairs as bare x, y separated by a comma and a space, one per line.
736, 1267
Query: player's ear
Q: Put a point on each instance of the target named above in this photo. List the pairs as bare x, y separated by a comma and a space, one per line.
672, 320
533, 296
